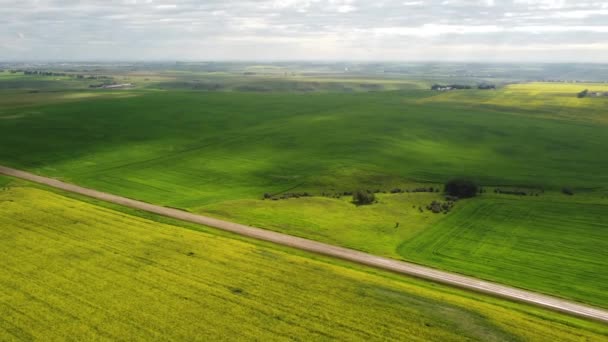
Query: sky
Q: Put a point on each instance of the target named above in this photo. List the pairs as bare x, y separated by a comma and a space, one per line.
318, 30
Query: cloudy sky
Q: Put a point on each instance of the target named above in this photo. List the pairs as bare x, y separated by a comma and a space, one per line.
398, 30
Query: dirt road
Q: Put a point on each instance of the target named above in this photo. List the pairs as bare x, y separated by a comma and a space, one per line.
333, 251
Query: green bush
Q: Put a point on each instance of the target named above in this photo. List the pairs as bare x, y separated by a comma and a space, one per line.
363, 197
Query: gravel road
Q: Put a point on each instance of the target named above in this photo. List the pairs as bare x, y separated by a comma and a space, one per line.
397, 266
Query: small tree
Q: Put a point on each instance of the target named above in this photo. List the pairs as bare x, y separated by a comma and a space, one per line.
583, 93
568, 191
363, 197
461, 188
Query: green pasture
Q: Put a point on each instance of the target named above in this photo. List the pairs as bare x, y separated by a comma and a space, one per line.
74, 270
191, 148
377, 229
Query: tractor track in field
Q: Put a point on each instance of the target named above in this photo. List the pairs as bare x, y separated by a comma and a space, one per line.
393, 265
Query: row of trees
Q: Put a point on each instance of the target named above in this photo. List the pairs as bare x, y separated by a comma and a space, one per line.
455, 188
57, 74
483, 86
43, 73
450, 86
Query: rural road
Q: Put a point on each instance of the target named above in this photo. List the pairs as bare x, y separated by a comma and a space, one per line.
397, 266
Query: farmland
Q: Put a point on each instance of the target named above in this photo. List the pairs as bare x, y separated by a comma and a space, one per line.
217, 153
157, 145
299, 170
96, 273
509, 240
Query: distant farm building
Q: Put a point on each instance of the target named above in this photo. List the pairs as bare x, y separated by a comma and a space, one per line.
439, 87
597, 94
113, 86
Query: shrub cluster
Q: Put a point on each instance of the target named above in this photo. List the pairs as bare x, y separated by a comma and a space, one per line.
510, 192
429, 189
361, 197
517, 192
568, 191
438, 207
286, 195
336, 194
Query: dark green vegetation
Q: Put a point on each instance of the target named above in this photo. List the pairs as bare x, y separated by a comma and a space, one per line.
4, 181
461, 188
361, 197
218, 153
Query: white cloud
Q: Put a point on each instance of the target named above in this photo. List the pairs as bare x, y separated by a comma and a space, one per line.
166, 6
538, 29
299, 29
579, 14
346, 8
542, 4
431, 30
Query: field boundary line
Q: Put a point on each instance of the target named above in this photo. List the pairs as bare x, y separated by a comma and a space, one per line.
397, 266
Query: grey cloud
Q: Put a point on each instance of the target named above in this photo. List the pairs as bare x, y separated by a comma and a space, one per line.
301, 29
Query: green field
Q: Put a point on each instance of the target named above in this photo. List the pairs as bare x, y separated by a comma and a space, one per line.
75, 270
551, 101
192, 148
337, 221
555, 247
216, 153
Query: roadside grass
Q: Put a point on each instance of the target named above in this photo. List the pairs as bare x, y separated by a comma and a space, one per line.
96, 273
378, 229
4, 181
